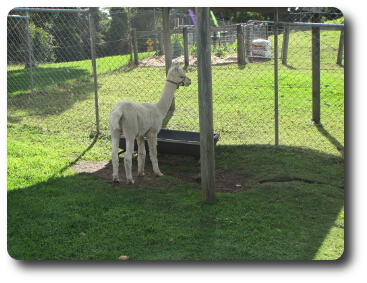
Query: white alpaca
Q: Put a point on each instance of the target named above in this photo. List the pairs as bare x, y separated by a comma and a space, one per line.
139, 120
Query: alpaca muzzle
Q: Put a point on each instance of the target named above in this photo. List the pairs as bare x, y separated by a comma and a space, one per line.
186, 81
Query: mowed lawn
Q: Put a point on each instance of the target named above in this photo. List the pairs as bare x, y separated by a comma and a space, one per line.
56, 213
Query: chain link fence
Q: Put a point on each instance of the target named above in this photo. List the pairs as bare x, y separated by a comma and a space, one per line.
49, 71
51, 87
295, 86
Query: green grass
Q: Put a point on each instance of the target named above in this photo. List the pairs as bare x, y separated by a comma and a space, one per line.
49, 75
55, 213
58, 214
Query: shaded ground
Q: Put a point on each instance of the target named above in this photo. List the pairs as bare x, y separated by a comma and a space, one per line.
226, 180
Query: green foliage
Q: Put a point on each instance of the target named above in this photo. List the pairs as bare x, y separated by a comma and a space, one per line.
238, 16
223, 50
146, 18
60, 37
15, 44
193, 49
71, 33
336, 21
117, 28
243, 17
42, 43
177, 44
232, 46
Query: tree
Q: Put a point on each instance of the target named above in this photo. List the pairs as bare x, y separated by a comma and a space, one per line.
42, 44
116, 35
237, 16
101, 23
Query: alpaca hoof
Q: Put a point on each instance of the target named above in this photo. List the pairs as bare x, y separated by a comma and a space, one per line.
130, 181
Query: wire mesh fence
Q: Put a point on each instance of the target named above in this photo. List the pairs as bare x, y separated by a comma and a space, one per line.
50, 75
295, 102
49, 71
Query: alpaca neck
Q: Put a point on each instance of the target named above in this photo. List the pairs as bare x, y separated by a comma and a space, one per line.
165, 101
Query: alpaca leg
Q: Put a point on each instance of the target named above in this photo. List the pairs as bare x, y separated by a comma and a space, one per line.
128, 157
115, 139
152, 143
141, 155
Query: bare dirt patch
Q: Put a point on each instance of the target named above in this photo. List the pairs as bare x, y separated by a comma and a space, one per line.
227, 181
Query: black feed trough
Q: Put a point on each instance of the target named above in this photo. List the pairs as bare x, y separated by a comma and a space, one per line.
175, 142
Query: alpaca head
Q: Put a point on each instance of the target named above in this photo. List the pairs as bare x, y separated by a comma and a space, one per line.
178, 75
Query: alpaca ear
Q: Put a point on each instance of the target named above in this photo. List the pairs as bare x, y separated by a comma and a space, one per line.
175, 66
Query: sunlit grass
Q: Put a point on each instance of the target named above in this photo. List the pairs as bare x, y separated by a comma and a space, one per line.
50, 75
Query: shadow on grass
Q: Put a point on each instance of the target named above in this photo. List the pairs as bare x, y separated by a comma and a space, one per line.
126, 68
339, 147
44, 77
52, 101
260, 163
84, 217
80, 156
242, 66
289, 67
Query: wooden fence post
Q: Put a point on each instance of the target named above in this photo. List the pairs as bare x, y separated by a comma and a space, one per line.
207, 161
247, 43
94, 64
28, 59
130, 40
339, 60
135, 46
186, 46
160, 39
276, 79
168, 60
240, 46
167, 39
316, 75
285, 45
215, 38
